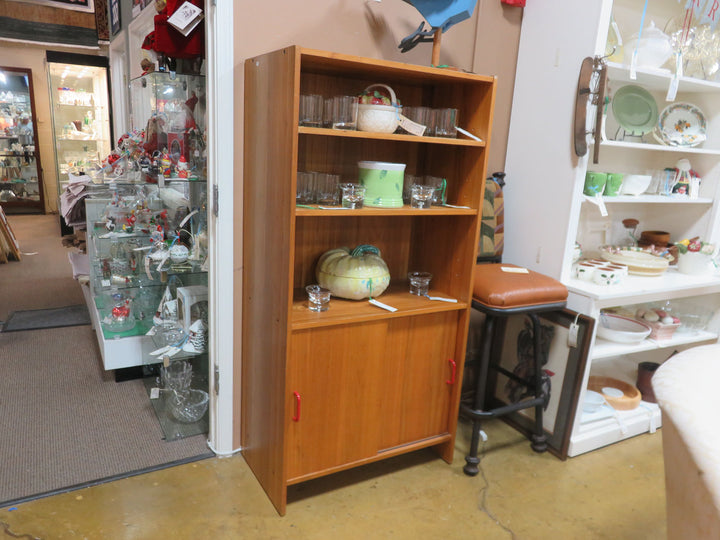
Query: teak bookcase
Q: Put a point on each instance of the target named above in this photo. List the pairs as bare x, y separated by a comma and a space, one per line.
324, 392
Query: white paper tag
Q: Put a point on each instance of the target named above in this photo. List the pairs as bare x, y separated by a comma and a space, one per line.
381, 305
513, 270
633, 64
105, 283
186, 18
154, 393
411, 127
572, 339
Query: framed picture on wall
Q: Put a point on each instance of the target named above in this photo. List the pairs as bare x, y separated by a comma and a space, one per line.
114, 16
76, 5
563, 360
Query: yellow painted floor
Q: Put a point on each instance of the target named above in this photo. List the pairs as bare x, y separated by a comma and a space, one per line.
616, 492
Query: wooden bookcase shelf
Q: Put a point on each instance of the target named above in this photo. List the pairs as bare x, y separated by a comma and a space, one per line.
324, 392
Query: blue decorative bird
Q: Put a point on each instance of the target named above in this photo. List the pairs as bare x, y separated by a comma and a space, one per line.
440, 15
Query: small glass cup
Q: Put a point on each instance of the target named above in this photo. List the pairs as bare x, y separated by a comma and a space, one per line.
344, 112
420, 115
440, 184
408, 182
318, 298
177, 376
328, 113
419, 283
353, 195
446, 122
421, 196
306, 188
311, 110
327, 189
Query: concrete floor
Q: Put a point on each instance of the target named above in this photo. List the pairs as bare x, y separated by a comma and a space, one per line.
616, 492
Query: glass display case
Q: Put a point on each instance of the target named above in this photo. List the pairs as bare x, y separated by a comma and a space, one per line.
170, 108
21, 186
146, 219
80, 114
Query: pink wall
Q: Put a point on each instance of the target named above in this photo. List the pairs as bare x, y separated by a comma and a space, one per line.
487, 43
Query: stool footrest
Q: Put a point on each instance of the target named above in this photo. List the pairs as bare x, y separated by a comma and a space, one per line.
477, 414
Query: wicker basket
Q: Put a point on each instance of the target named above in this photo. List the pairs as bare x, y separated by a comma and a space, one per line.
379, 118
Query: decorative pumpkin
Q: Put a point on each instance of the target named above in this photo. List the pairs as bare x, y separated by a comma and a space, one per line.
353, 275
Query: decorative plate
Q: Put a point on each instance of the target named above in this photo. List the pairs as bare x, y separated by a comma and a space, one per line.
635, 110
640, 262
682, 124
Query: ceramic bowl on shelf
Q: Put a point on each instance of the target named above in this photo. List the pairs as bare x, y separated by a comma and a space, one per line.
635, 184
620, 395
622, 329
640, 262
593, 401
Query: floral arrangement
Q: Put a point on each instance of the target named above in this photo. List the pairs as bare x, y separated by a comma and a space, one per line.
695, 245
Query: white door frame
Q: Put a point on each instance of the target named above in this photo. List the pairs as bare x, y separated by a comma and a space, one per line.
220, 98
119, 84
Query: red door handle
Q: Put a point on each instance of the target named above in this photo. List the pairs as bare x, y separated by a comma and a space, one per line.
296, 418
453, 371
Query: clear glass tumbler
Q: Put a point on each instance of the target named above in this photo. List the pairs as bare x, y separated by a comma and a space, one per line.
318, 298
419, 283
345, 111
353, 195
421, 196
311, 110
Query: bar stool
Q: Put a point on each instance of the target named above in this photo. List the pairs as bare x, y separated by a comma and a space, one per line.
502, 290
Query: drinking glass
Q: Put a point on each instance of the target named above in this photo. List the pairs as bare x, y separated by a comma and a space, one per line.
420, 115
422, 196
327, 192
408, 182
345, 111
311, 110
445, 122
328, 113
318, 298
305, 188
419, 282
176, 376
353, 195
439, 197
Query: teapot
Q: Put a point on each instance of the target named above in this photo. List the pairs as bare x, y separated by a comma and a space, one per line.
653, 47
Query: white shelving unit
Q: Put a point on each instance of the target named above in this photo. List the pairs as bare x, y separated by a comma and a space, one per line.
546, 212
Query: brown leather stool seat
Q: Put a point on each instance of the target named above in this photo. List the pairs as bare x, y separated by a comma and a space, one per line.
502, 290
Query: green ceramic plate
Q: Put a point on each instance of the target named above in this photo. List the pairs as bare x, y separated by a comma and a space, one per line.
635, 110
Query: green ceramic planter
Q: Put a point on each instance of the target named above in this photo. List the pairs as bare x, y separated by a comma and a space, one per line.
383, 183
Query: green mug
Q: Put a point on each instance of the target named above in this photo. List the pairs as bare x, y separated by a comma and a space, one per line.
613, 184
594, 183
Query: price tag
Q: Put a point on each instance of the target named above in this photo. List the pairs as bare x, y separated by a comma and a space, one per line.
572, 339
573, 335
514, 270
154, 393
411, 127
186, 18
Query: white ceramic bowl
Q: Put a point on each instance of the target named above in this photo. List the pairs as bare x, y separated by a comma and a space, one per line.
593, 401
378, 118
621, 329
635, 184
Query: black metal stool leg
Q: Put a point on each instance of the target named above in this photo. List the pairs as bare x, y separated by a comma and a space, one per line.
472, 461
539, 438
